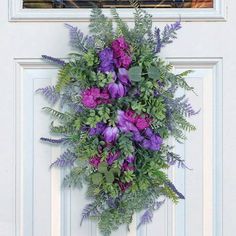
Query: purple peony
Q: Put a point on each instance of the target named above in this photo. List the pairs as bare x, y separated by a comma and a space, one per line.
110, 134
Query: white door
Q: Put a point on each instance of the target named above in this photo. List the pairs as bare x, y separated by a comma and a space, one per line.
32, 202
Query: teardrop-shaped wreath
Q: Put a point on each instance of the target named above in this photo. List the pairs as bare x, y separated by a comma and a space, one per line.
118, 109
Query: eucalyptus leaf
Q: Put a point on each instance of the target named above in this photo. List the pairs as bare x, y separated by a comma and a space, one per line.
109, 177
154, 73
102, 168
97, 178
135, 73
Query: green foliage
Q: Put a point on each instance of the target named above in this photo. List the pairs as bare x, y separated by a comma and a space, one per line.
118, 188
135, 73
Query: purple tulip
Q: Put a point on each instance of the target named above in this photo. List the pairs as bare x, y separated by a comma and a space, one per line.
100, 127
112, 157
123, 76
111, 134
124, 122
153, 144
116, 90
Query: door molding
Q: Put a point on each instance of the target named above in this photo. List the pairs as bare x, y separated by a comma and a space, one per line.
17, 13
212, 156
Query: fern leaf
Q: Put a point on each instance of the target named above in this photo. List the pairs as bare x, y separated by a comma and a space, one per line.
64, 78
50, 93
67, 159
56, 114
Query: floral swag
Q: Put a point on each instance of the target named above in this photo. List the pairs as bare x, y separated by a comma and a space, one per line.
117, 110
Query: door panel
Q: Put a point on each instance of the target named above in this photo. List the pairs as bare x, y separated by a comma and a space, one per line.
45, 208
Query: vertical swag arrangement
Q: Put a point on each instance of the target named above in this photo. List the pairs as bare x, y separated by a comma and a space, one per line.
117, 108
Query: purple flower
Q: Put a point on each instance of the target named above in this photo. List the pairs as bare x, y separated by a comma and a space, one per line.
95, 161
124, 186
112, 157
153, 144
93, 97
106, 60
124, 122
100, 127
111, 134
116, 90
121, 53
137, 137
130, 159
123, 76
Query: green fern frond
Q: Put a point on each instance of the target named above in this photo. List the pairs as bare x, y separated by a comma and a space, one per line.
122, 27
64, 78
56, 114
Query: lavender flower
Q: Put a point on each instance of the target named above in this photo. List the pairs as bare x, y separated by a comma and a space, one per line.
67, 159
148, 214
90, 210
111, 134
54, 60
168, 35
53, 141
146, 217
173, 188
50, 93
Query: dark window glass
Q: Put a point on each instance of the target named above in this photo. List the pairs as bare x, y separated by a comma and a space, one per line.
117, 3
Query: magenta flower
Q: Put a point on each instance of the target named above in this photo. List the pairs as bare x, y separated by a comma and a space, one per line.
110, 134
121, 53
128, 163
142, 123
116, 90
90, 96
93, 97
124, 186
95, 161
125, 61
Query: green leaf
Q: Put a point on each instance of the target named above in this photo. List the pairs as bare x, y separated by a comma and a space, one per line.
135, 73
97, 178
102, 168
154, 73
109, 177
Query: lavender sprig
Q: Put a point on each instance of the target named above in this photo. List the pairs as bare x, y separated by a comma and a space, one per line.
67, 159
89, 210
54, 60
50, 93
173, 188
78, 40
53, 141
167, 36
148, 214
173, 158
